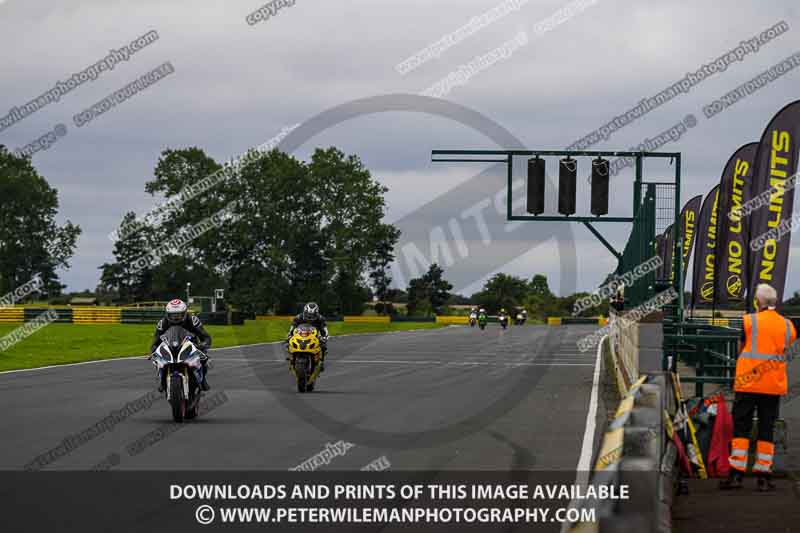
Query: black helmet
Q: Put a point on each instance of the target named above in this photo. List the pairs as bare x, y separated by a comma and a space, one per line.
310, 311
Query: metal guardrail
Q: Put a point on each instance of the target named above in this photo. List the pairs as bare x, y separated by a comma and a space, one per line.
576, 320
711, 350
631, 454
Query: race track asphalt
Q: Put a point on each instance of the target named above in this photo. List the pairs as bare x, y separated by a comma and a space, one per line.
448, 399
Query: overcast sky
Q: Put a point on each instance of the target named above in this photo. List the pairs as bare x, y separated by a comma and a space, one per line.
236, 85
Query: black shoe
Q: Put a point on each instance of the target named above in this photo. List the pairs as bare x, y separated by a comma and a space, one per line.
765, 484
161, 387
733, 482
204, 385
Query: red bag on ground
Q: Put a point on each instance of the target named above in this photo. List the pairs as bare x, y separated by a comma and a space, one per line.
719, 450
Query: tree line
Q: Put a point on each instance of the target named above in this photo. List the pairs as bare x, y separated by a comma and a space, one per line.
291, 231
430, 294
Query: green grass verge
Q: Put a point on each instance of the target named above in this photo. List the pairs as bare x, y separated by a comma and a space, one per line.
74, 343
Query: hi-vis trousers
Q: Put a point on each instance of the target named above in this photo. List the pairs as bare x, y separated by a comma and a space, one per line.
744, 405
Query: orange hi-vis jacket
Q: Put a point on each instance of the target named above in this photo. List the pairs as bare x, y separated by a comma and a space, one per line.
761, 367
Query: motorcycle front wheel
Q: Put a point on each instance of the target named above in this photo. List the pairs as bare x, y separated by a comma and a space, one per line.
301, 369
176, 400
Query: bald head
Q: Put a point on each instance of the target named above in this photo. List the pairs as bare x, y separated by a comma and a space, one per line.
766, 297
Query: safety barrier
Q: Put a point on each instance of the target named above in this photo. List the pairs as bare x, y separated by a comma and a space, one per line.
96, 315
64, 314
624, 350
631, 454
367, 319
452, 319
404, 318
141, 316
577, 320
12, 315
275, 318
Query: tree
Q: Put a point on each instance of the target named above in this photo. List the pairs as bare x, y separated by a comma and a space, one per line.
128, 277
428, 293
458, 299
538, 286
379, 273
419, 302
439, 287
31, 243
542, 303
352, 210
503, 291
293, 231
397, 296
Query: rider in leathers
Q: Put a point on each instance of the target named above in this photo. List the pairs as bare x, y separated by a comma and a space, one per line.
177, 315
312, 316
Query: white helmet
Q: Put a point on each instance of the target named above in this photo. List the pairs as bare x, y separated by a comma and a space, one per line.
311, 311
176, 311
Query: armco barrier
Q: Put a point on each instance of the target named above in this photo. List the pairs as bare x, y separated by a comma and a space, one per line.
12, 315
577, 320
452, 320
593, 320
221, 318
367, 319
113, 315
96, 315
141, 316
64, 313
635, 453
403, 318
624, 347
275, 318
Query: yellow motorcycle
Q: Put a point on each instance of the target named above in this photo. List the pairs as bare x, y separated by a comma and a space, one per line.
305, 353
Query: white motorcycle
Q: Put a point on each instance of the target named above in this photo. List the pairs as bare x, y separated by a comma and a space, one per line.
178, 361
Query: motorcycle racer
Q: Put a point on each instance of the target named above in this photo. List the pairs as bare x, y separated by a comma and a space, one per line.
502, 317
312, 316
177, 315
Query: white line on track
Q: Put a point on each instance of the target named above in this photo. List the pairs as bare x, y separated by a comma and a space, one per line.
587, 449
128, 358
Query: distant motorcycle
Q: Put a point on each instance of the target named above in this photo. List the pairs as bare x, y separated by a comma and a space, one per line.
482, 321
179, 361
520, 319
473, 319
503, 319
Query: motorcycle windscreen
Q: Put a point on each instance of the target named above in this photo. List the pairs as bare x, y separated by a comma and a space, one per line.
306, 330
174, 337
